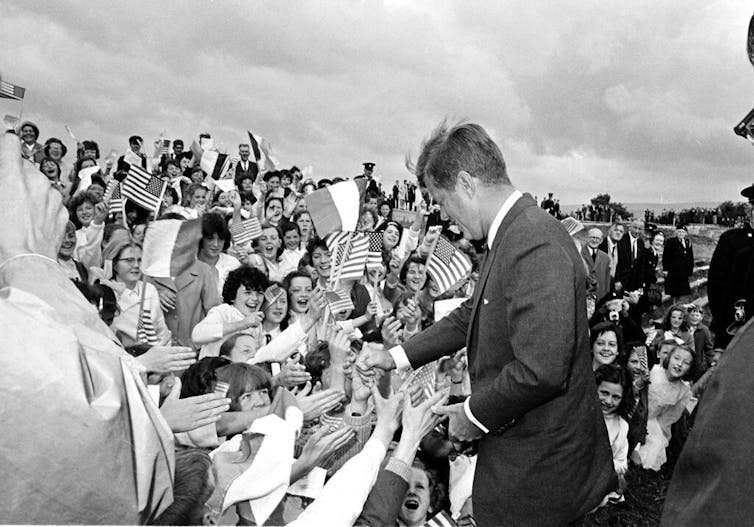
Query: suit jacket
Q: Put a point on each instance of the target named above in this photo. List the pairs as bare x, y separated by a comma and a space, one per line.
710, 486
196, 294
122, 163
251, 170
678, 261
384, 501
547, 459
626, 267
599, 271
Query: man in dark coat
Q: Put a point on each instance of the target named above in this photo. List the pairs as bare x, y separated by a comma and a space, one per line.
245, 167
544, 457
730, 259
712, 481
678, 261
631, 251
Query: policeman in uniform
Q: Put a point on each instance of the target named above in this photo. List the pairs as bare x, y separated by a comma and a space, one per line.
371, 183
731, 277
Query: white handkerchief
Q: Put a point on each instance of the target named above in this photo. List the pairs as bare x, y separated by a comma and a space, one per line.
486, 301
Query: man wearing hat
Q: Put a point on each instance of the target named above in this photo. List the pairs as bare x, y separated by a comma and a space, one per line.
730, 273
678, 261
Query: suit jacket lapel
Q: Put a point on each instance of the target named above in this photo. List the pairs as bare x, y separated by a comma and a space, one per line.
184, 280
513, 213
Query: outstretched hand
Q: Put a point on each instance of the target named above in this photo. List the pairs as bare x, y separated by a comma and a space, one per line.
184, 415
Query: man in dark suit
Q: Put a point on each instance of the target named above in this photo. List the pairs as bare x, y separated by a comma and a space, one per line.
598, 263
244, 167
631, 249
544, 457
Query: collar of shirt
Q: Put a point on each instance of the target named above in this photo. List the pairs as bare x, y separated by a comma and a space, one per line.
507, 205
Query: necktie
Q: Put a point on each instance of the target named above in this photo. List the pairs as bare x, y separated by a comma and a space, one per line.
594, 255
633, 249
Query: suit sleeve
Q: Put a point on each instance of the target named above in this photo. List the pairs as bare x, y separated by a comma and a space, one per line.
542, 321
718, 279
385, 499
444, 337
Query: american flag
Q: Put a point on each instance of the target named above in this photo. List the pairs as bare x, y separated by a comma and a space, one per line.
162, 149
246, 231
447, 265
11, 91
349, 253
425, 377
143, 188
441, 519
113, 197
272, 294
145, 328
374, 256
338, 300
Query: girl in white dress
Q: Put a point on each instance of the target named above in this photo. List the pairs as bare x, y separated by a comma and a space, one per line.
669, 396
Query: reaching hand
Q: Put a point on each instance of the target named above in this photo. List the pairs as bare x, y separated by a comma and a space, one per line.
292, 374
388, 412
391, 332
318, 403
167, 359
184, 415
324, 442
419, 420
100, 213
371, 310
253, 320
31, 210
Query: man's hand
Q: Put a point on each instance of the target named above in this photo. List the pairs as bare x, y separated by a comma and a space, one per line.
374, 357
167, 359
460, 427
31, 210
184, 415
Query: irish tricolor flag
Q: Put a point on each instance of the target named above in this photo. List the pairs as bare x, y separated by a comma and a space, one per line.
337, 207
170, 247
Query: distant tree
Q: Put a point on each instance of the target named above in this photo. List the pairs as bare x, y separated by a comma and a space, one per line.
619, 210
731, 210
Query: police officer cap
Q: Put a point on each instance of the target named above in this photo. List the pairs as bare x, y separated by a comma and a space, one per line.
368, 165
748, 193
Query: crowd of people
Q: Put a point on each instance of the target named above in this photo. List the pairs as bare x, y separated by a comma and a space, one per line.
247, 356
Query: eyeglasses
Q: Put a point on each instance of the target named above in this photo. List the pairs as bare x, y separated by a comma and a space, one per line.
130, 261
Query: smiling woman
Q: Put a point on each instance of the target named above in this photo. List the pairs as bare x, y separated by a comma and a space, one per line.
240, 311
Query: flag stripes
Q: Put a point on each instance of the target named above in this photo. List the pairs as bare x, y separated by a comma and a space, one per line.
113, 197
349, 251
441, 519
447, 265
338, 301
11, 91
142, 188
145, 328
245, 231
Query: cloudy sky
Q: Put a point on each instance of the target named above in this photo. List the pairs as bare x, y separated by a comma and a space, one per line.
637, 98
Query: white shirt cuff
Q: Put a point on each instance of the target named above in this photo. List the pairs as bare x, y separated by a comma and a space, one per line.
399, 357
467, 410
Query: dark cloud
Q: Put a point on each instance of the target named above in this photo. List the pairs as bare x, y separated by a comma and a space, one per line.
583, 96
